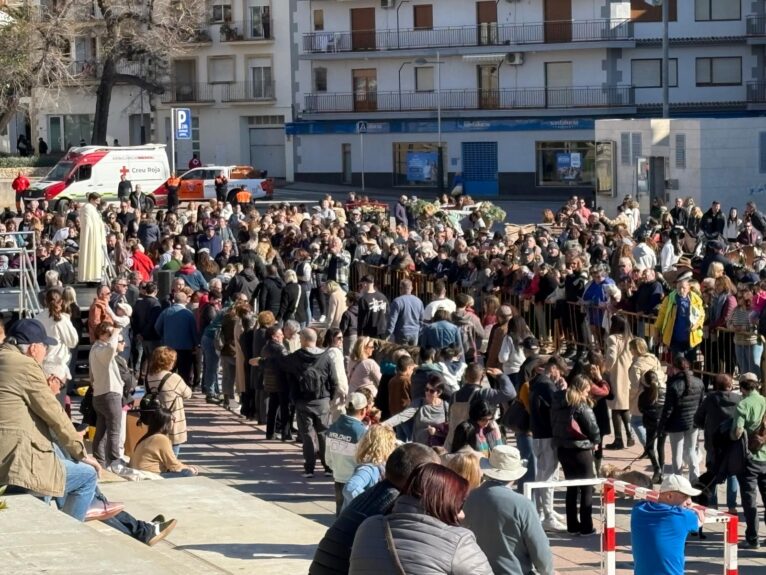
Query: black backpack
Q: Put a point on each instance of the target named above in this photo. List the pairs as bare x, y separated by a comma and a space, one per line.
151, 399
312, 379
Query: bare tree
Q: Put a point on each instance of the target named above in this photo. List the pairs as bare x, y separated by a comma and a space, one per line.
138, 40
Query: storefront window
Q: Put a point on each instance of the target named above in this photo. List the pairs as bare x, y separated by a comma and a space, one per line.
565, 163
417, 164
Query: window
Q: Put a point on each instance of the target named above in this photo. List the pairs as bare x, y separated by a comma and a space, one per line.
259, 26
416, 164
320, 79
640, 11
565, 163
318, 20
716, 10
681, 151
261, 78
630, 147
648, 73
423, 17
424, 79
83, 173
221, 12
266, 120
719, 71
220, 70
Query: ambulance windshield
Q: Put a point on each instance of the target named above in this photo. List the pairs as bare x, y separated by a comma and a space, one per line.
59, 172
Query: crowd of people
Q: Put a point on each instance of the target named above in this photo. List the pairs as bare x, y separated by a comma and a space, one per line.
490, 360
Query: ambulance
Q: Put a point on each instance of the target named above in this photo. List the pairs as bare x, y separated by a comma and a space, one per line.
88, 169
198, 184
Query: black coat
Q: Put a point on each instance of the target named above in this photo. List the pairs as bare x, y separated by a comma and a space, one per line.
541, 390
681, 403
713, 223
244, 282
717, 407
291, 305
145, 314
334, 550
562, 415
269, 294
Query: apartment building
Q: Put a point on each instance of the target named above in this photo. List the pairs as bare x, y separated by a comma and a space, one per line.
226, 77
508, 92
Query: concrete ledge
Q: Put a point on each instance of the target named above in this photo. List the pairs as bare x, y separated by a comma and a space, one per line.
223, 527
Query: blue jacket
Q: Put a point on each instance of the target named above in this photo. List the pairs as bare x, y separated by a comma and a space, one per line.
406, 317
193, 278
214, 244
177, 328
441, 334
365, 476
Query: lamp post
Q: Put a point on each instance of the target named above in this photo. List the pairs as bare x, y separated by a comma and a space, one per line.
398, 38
400, 82
420, 62
665, 53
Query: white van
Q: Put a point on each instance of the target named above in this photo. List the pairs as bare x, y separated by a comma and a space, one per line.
88, 169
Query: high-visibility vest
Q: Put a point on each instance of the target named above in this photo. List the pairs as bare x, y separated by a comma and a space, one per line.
243, 197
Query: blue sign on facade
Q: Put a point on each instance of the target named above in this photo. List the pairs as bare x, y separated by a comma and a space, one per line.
183, 124
422, 167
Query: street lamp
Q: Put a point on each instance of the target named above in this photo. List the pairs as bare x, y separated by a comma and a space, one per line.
665, 53
398, 38
421, 62
400, 81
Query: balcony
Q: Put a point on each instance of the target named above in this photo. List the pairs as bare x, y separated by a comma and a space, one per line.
756, 28
248, 92
467, 36
460, 100
756, 92
247, 31
187, 93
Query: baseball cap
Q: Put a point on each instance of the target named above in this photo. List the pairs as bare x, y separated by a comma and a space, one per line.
678, 483
29, 331
530, 343
749, 376
357, 401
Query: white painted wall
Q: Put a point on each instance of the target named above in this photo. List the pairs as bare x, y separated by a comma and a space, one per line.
722, 159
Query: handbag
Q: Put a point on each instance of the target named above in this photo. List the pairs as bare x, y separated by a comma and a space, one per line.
575, 433
392, 549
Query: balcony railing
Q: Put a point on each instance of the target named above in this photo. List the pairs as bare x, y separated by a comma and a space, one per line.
247, 31
248, 92
515, 99
756, 25
92, 68
465, 36
186, 92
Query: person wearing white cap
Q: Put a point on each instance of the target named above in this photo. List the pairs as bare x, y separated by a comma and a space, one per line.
341, 439
659, 529
505, 523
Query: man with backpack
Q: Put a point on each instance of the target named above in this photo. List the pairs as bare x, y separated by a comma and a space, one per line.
751, 419
471, 330
312, 385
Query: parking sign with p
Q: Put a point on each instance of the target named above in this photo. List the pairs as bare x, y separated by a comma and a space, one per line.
183, 124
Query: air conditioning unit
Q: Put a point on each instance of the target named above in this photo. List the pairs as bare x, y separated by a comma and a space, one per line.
387, 3
515, 58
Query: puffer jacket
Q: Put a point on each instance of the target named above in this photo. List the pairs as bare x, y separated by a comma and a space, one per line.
423, 543
561, 416
273, 380
681, 404
641, 365
716, 408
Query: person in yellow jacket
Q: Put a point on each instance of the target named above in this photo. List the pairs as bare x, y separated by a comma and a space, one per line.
680, 319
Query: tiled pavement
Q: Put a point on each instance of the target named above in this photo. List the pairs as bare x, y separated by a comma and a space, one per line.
236, 452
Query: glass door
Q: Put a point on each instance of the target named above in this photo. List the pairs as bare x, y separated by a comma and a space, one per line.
365, 83
56, 133
489, 94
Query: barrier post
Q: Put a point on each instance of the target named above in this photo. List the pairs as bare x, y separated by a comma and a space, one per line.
730, 565
609, 536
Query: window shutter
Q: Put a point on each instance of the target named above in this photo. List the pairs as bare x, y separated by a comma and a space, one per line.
635, 144
681, 151
625, 149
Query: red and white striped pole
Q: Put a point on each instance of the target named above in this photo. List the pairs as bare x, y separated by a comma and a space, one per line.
730, 566
609, 541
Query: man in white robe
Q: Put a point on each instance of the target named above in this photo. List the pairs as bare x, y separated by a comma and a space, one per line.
90, 268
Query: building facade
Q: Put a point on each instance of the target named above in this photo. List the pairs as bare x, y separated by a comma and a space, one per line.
506, 93
235, 76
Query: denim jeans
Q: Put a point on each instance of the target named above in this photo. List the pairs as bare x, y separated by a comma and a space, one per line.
524, 443
546, 463
732, 487
683, 449
176, 449
211, 361
81, 483
637, 424
177, 474
749, 358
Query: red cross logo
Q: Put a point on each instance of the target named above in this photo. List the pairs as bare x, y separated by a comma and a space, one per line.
124, 171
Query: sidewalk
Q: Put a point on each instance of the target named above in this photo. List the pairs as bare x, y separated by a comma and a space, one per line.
236, 452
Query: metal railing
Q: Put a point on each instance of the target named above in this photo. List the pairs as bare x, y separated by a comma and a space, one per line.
246, 31
179, 92
510, 99
248, 91
756, 92
756, 25
493, 34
